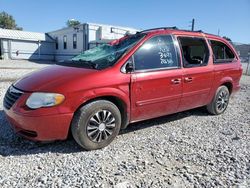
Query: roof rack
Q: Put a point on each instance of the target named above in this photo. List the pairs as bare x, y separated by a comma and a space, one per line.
159, 28
199, 31
165, 28
173, 28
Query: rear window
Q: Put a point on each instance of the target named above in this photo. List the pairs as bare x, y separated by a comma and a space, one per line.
221, 52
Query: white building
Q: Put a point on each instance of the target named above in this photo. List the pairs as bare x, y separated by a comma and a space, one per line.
74, 40
15, 44
57, 45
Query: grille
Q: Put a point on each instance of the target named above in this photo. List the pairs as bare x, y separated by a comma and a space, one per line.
11, 96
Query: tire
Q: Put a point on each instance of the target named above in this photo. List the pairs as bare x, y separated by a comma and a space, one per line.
220, 101
95, 125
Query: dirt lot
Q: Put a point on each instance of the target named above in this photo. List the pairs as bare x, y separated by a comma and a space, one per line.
188, 149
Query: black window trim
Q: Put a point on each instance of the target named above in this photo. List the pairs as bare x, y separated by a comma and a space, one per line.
182, 57
222, 61
157, 69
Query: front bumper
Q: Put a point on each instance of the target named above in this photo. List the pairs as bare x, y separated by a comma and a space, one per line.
40, 128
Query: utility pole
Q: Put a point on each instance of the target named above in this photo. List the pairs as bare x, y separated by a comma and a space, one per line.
193, 24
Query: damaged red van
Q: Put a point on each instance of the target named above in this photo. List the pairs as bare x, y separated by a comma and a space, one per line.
146, 75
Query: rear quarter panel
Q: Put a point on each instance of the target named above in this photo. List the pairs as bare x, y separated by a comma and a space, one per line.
226, 72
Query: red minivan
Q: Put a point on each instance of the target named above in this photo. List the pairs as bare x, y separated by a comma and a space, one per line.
146, 75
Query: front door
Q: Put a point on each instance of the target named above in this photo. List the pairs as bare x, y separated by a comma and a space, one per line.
156, 83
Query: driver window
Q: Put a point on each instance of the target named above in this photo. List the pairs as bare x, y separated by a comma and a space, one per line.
156, 53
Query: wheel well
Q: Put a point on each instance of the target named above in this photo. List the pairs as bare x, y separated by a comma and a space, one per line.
121, 105
229, 85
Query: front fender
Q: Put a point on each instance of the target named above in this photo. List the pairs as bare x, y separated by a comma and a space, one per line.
121, 93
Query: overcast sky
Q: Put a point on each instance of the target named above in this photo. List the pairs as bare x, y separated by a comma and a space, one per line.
231, 17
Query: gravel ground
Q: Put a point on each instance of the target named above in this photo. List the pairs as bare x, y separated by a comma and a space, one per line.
12, 70
188, 149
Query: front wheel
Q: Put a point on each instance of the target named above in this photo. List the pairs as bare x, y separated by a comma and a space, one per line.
96, 124
220, 101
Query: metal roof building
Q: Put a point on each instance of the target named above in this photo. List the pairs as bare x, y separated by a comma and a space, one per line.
15, 44
71, 41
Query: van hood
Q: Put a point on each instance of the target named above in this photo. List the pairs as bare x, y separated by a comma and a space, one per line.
52, 78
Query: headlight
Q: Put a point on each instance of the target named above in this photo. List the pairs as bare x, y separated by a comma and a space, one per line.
38, 100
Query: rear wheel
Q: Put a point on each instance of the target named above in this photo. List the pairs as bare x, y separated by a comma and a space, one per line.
220, 101
96, 124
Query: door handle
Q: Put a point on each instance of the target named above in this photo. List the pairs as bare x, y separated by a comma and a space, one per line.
188, 79
176, 81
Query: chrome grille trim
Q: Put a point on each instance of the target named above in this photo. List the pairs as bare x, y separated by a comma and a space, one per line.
11, 96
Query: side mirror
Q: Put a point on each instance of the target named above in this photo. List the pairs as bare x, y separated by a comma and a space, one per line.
129, 66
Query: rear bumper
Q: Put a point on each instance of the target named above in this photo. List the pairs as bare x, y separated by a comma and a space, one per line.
40, 128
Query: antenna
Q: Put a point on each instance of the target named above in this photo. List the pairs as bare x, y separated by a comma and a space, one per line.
192, 25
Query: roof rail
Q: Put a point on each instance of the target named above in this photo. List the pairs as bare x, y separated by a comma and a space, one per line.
173, 28
159, 28
199, 31
165, 28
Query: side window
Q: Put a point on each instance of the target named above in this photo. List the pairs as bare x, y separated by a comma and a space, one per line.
64, 42
56, 43
74, 41
194, 51
222, 53
156, 53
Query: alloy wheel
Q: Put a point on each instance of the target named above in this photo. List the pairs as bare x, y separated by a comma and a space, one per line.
101, 126
222, 101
